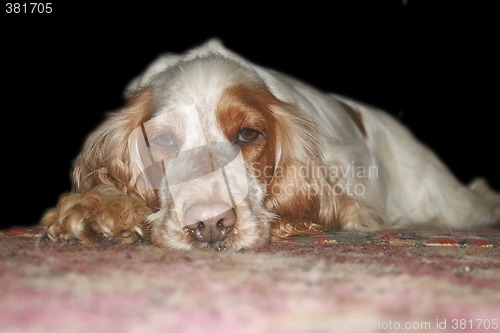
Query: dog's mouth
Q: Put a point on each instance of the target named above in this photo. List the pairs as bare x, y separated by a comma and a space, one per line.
218, 245
211, 235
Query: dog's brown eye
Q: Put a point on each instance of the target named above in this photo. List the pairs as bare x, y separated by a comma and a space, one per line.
247, 135
165, 141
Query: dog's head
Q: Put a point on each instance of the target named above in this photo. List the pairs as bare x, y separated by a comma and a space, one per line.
210, 147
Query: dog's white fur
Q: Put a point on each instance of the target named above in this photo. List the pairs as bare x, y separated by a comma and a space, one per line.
323, 161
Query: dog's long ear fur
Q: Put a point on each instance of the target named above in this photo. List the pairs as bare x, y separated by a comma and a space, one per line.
299, 191
105, 156
302, 192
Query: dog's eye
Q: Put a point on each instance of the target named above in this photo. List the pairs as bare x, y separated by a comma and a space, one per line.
247, 135
165, 141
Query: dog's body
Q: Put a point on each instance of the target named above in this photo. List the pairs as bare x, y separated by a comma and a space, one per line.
214, 151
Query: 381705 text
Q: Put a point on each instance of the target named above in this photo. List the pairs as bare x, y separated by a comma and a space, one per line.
28, 8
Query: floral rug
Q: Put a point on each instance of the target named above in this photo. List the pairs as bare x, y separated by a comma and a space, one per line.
337, 282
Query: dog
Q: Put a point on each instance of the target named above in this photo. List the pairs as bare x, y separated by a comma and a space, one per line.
214, 151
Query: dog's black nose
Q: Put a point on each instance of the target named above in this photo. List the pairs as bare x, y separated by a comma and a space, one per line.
208, 227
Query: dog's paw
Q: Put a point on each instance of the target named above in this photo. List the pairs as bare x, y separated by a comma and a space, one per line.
101, 215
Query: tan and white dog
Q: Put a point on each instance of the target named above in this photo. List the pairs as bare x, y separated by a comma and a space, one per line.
214, 151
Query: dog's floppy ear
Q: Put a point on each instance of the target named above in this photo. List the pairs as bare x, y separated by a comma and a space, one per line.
105, 156
299, 191
308, 195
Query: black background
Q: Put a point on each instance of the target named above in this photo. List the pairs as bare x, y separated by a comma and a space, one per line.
434, 66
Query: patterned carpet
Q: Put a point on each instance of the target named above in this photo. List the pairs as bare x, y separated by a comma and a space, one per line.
475, 238
484, 238
338, 282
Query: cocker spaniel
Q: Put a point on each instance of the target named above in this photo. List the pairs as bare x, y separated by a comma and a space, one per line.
213, 151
